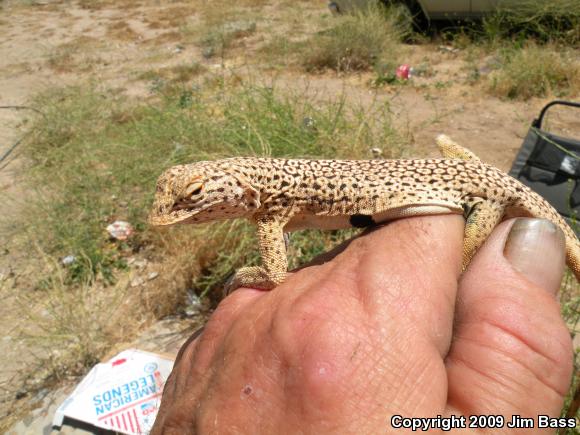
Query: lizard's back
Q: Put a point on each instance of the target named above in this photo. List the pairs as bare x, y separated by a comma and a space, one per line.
332, 194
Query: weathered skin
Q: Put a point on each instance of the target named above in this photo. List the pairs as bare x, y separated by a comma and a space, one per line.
282, 195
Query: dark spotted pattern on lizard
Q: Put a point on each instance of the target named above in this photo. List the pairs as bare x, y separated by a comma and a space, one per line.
284, 195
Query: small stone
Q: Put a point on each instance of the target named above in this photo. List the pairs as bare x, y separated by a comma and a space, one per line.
448, 49
377, 153
141, 263
138, 281
152, 275
309, 123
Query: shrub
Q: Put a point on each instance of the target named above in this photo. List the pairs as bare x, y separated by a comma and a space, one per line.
359, 41
534, 71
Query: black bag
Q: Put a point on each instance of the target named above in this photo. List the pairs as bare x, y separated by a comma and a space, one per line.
550, 165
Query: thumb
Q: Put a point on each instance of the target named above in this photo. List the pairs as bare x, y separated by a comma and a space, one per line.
512, 352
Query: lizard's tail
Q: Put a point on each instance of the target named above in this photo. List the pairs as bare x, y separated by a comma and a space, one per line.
572, 252
572, 248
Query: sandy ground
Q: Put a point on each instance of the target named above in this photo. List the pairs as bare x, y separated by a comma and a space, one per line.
54, 43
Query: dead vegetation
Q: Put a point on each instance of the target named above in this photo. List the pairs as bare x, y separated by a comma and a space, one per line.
78, 55
533, 71
174, 74
121, 30
358, 42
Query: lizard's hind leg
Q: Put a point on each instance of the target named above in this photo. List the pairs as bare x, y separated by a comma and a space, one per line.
482, 218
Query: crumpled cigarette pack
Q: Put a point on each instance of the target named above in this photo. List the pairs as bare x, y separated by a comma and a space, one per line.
122, 394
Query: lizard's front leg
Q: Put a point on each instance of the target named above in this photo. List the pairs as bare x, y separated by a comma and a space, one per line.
273, 252
481, 220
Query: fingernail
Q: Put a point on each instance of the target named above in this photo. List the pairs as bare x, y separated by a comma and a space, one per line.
537, 249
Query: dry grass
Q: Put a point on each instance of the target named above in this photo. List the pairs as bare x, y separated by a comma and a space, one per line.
111, 4
357, 42
77, 55
108, 152
216, 40
175, 74
171, 17
534, 71
218, 12
122, 31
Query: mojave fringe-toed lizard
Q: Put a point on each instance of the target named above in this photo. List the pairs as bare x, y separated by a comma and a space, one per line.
284, 195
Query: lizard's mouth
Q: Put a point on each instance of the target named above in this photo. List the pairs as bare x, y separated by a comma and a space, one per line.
171, 218
178, 213
166, 212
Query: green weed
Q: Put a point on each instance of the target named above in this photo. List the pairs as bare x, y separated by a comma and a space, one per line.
96, 158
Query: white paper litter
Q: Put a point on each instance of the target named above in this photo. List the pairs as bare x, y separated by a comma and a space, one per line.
122, 394
120, 230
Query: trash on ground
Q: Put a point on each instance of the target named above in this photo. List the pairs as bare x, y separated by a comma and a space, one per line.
120, 230
194, 304
69, 259
403, 72
122, 394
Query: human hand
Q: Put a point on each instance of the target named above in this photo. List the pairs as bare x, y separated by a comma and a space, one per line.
388, 327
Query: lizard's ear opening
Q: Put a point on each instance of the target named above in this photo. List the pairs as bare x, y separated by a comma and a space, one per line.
251, 194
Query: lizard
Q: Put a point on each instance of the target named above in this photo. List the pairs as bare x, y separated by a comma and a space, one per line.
285, 195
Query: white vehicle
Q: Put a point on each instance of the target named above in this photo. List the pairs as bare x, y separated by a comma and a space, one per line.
432, 9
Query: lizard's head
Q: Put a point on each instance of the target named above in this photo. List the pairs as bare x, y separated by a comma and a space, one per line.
202, 192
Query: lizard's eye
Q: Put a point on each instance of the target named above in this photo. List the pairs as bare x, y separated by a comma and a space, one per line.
193, 189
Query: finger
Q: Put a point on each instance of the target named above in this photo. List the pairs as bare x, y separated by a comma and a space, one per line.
197, 353
385, 304
407, 274
511, 351
202, 350
191, 371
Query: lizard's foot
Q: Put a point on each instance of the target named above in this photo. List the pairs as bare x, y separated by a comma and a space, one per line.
254, 277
